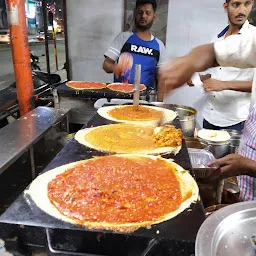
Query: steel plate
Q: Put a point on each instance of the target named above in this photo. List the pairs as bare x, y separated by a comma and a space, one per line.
228, 231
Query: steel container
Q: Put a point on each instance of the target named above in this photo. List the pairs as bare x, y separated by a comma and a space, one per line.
218, 149
234, 144
234, 140
233, 132
223, 148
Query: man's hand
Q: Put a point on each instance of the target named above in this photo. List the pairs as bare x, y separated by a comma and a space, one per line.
178, 71
205, 77
232, 165
190, 83
213, 85
202, 78
124, 64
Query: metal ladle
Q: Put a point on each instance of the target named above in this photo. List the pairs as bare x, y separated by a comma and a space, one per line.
136, 92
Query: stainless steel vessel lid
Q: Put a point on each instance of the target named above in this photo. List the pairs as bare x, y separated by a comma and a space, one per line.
228, 231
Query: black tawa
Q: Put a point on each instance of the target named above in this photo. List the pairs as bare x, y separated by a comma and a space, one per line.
183, 227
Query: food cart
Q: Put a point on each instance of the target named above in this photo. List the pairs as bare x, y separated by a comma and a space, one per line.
25, 222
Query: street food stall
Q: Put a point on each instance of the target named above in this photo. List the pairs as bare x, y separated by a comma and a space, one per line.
180, 229
92, 197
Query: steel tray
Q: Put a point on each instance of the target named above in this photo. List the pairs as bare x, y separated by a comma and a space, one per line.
228, 231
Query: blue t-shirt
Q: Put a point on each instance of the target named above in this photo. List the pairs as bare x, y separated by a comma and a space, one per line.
150, 54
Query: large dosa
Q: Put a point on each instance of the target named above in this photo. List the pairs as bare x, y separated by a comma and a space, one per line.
127, 138
124, 87
118, 190
141, 115
83, 85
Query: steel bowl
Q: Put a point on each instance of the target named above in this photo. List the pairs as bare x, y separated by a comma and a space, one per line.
233, 132
218, 149
186, 116
223, 148
234, 140
234, 144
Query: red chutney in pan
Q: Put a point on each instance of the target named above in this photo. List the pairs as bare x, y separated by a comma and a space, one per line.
80, 85
124, 87
116, 189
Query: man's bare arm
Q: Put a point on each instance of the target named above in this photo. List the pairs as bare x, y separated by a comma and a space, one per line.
109, 65
233, 165
180, 70
240, 86
213, 85
160, 92
125, 63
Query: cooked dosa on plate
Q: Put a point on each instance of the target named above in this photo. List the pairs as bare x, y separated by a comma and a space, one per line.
141, 115
131, 138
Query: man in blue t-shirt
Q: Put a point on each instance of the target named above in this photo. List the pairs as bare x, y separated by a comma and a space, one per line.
144, 48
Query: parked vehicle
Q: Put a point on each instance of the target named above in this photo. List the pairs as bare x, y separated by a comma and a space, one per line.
5, 36
41, 36
40, 78
34, 60
43, 96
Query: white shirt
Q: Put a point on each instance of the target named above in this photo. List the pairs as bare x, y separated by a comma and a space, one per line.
239, 51
228, 107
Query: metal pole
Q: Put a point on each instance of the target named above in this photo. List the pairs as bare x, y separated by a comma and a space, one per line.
55, 47
32, 161
20, 54
66, 38
67, 122
46, 37
136, 93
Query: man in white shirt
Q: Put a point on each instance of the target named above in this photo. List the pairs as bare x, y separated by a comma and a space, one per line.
228, 101
238, 50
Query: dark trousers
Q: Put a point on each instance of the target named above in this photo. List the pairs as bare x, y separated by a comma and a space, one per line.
238, 127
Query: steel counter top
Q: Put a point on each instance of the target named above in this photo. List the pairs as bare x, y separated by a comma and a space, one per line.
18, 136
